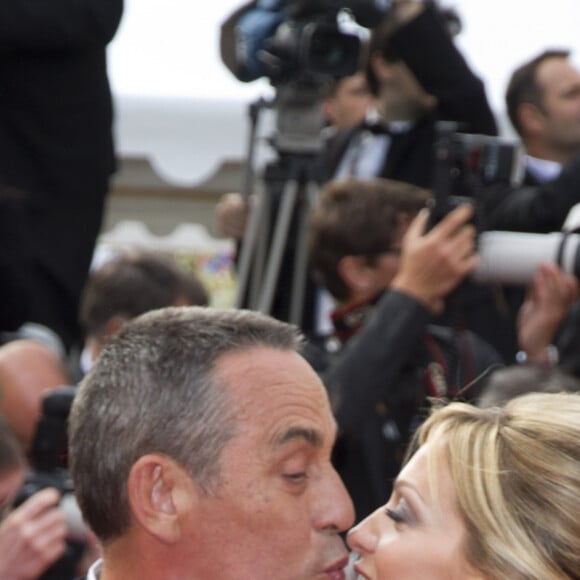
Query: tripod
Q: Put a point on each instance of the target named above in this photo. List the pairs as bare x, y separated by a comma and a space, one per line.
276, 239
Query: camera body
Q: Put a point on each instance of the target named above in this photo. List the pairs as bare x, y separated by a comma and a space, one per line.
466, 163
289, 39
50, 469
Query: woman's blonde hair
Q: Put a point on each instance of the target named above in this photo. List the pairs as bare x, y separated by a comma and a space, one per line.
517, 476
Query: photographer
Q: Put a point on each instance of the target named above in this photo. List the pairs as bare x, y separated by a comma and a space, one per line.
369, 249
33, 535
543, 104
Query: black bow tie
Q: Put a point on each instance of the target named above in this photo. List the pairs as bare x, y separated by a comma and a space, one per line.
377, 127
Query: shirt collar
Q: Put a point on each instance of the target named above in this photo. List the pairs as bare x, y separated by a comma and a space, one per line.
543, 169
348, 320
373, 117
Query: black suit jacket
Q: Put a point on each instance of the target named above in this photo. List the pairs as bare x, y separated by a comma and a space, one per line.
534, 206
56, 147
55, 101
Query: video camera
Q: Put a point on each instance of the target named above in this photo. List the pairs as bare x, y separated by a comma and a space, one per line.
49, 461
288, 39
465, 164
300, 46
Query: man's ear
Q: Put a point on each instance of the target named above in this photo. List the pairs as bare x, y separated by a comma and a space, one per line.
160, 492
531, 118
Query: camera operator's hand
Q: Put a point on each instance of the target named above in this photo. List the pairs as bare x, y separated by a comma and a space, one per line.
549, 297
405, 10
32, 537
433, 263
232, 216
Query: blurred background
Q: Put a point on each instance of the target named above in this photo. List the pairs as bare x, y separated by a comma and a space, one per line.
182, 118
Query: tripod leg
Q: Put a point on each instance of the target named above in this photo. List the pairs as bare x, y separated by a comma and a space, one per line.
279, 241
261, 251
301, 254
257, 228
250, 267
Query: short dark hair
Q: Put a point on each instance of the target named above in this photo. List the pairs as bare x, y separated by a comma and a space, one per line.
135, 282
357, 217
523, 85
155, 389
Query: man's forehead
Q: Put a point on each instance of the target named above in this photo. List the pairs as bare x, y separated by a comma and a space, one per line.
556, 71
278, 397
262, 367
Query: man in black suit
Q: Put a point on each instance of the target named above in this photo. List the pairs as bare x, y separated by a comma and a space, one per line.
56, 145
543, 104
418, 77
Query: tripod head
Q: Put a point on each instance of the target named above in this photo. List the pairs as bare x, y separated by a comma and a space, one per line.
299, 118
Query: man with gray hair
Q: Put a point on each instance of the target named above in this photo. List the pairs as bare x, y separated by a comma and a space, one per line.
200, 447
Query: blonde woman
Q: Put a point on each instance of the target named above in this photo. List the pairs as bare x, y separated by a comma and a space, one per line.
489, 494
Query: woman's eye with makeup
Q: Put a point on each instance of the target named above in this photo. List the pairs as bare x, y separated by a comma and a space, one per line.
401, 513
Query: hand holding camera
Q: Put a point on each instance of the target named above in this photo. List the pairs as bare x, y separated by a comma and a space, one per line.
434, 262
32, 537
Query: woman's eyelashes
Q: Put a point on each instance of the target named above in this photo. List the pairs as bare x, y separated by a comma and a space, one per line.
401, 513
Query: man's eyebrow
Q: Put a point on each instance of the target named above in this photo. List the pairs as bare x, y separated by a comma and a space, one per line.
311, 436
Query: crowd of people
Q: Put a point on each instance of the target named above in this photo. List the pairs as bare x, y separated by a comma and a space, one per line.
429, 421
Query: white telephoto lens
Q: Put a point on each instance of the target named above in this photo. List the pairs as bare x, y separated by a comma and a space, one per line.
513, 257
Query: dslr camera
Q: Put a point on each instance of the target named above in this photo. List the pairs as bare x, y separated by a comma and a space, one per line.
50, 469
465, 164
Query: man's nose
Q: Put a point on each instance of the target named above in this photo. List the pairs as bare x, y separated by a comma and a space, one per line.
334, 507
